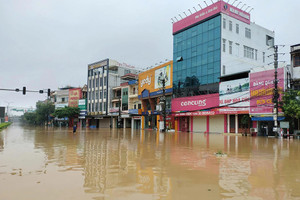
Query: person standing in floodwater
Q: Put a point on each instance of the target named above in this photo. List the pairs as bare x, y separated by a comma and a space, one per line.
74, 128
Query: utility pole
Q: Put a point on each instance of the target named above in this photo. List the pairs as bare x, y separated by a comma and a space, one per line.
276, 94
119, 117
164, 103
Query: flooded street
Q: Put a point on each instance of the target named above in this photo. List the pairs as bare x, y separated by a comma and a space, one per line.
41, 163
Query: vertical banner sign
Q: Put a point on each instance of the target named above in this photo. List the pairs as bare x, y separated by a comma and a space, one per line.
74, 96
262, 89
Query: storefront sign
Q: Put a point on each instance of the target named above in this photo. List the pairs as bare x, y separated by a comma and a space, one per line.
61, 105
195, 103
261, 90
235, 93
82, 104
198, 113
232, 111
146, 81
218, 7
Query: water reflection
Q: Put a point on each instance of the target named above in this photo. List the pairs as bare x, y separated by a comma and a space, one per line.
134, 164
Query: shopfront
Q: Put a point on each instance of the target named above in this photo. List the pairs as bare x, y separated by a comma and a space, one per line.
261, 100
151, 95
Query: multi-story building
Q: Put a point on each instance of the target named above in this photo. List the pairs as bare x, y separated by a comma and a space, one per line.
150, 93
219, 43
103, 76
125, 104
295, 66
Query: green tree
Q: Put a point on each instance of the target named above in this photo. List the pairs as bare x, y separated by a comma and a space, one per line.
70, 112
290, 105
41, 114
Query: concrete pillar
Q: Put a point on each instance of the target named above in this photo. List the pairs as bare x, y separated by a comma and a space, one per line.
132, 123
236, 123
124, 122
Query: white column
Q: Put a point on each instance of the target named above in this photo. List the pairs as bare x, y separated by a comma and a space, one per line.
228, 123
236, 124
132, 123
124, 122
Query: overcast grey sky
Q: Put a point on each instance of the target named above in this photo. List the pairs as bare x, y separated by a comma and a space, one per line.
49, 43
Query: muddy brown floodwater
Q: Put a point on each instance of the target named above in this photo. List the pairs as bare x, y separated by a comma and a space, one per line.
96, 164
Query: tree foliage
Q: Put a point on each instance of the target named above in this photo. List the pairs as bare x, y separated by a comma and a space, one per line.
291, 104
69, 112
41, 114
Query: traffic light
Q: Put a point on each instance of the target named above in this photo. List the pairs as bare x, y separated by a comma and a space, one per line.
49, 92
24, 90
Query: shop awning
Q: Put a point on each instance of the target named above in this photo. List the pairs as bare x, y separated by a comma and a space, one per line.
266, 118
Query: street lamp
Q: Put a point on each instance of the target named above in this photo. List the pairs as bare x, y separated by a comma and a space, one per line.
162, 79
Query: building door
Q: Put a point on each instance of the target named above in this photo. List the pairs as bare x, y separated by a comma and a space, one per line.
232, 123
184, 124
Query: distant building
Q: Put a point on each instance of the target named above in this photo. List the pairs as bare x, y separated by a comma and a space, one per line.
103, 76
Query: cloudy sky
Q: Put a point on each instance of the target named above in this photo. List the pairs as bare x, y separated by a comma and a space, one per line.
49, 43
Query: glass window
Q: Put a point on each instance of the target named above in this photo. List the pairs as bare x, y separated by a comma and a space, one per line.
224, 45
237, 28
224, 70
264, 57
237, 49
255, 54
230, 47
248, 33
104, 106
224, 23
230, 25
248, 52
100, 107
104, 94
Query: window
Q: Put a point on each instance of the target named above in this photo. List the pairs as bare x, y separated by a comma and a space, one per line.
255, 54
296, 59
237, 49
230, 47
264, 57
97, 94
104, 94
101, 82
230, 25
237, 28
93, 93
269, 41
93, 107
224, 70
97, 107
134, 107
140, 106
97, 82
100, 94
105, 78
104, 106
248, 33
248, 52
100, 109
224, 23
224, 45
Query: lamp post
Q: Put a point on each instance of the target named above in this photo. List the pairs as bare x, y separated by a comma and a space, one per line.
162, 78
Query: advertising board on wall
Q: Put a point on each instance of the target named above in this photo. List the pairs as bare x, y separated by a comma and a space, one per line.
261, 90
74, 96
163, 73
148, 80
195, 103
235, 93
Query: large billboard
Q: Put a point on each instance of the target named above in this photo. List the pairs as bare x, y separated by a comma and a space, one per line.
164, 72
148, 80
235, 93
74, 95
262, 89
